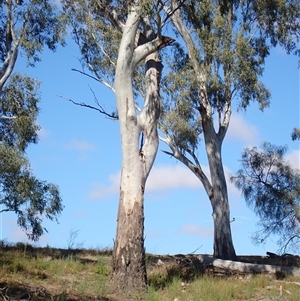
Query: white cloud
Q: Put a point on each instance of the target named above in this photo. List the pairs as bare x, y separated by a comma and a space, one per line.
197, 231
240, 129
81, 214
294, 158
100, 191
155, 234
42, 133
167, 177
79, 145
161, 178
16, 234
231, 189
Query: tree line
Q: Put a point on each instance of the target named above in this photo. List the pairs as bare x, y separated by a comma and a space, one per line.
178, 88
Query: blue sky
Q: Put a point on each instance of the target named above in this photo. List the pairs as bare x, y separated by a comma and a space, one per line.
79, 150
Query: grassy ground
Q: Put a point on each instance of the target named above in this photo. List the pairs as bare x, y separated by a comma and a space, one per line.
40, 274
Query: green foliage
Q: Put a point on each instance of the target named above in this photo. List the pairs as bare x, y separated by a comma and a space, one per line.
18, 101
26, 27
296, 134
272, 188
35, 24
96, 29
97, 39
31, 199
231, 40
179, 113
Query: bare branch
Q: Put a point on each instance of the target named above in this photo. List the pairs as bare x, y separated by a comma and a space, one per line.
102, 50
194, 167
111, 14
5, 210
101, 110
7, 117
96, 79
169, 11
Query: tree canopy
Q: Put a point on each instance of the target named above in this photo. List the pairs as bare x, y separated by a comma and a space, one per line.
217, 65
271, 187
296, 134
26, 27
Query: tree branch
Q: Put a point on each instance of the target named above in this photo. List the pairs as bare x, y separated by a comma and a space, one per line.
96, 79
142, 51
5, 210
169, 11
101, 110
7, 117
195, 168
108, 11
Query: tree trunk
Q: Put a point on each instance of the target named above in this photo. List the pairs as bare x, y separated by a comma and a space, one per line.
139, 140
217, 191
223, 244
128, 273
247, 268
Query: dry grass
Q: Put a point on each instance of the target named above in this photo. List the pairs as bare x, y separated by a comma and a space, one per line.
42, 274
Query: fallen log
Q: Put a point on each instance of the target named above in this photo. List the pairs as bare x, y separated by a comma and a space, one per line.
243, 267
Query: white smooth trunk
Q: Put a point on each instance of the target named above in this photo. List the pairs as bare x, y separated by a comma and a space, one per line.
139, 140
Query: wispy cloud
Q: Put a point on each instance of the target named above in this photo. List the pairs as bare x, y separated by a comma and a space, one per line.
100, 191
81, 214
42, 133
240, 129
197, 231
79, 145
16, 234
231, 189
294, 158
161, 178
165, 177
154, 234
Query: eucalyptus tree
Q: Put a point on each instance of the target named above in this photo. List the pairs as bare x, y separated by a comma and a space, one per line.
217, 65
25, 28
271, 187
117, 38
296, 134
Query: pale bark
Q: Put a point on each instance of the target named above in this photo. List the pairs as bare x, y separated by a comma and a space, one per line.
139, 140
12, 45
128, 263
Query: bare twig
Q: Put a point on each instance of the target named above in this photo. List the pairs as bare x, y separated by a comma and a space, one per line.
101, 110
95, 78
4, 295
169, 11
7, 117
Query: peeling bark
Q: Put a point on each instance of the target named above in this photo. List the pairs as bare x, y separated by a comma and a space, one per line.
128, 275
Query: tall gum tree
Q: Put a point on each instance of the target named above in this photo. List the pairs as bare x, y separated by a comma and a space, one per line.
217, 64
26, 27
98, 27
